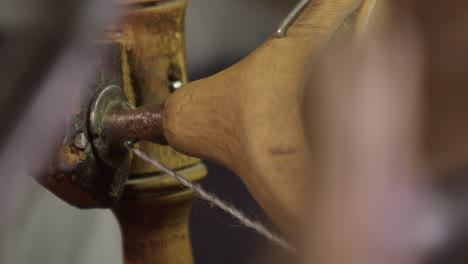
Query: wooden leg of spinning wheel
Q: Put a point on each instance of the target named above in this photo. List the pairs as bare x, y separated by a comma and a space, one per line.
154, 210
153, 216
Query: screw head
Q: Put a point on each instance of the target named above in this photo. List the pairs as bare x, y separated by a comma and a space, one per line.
80, 141
175, 85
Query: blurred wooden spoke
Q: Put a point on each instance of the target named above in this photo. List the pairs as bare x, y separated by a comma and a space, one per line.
365, 112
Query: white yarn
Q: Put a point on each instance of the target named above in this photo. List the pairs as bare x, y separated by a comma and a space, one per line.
215, 200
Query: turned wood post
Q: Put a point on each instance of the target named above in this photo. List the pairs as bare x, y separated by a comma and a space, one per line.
153, 212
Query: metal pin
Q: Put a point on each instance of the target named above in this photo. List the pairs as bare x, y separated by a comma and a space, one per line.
175, 85
282, 30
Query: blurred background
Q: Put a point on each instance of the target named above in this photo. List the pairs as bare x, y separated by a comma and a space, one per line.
46, 230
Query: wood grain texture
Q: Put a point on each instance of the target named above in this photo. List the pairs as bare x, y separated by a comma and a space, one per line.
155, 229
154, 41
154, 211
247, 117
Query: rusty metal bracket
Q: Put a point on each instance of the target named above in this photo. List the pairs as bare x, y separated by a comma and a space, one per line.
75, 171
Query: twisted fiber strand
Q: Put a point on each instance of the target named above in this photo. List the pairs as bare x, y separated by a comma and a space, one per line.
215, 200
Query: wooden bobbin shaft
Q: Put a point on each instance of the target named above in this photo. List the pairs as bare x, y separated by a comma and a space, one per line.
247, 117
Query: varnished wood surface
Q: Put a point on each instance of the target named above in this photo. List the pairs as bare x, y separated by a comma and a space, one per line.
154, 45
155, 229
153, 215
154, 210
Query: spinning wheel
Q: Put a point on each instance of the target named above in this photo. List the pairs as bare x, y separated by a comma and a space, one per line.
142, 64
251, 125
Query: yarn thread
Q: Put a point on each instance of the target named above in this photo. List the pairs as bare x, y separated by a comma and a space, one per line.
214, 199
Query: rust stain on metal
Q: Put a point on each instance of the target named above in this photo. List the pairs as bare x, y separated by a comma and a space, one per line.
143, 123
71, 156
72, 171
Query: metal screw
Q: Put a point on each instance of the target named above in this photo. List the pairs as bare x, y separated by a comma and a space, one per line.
80, 141
174, 85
